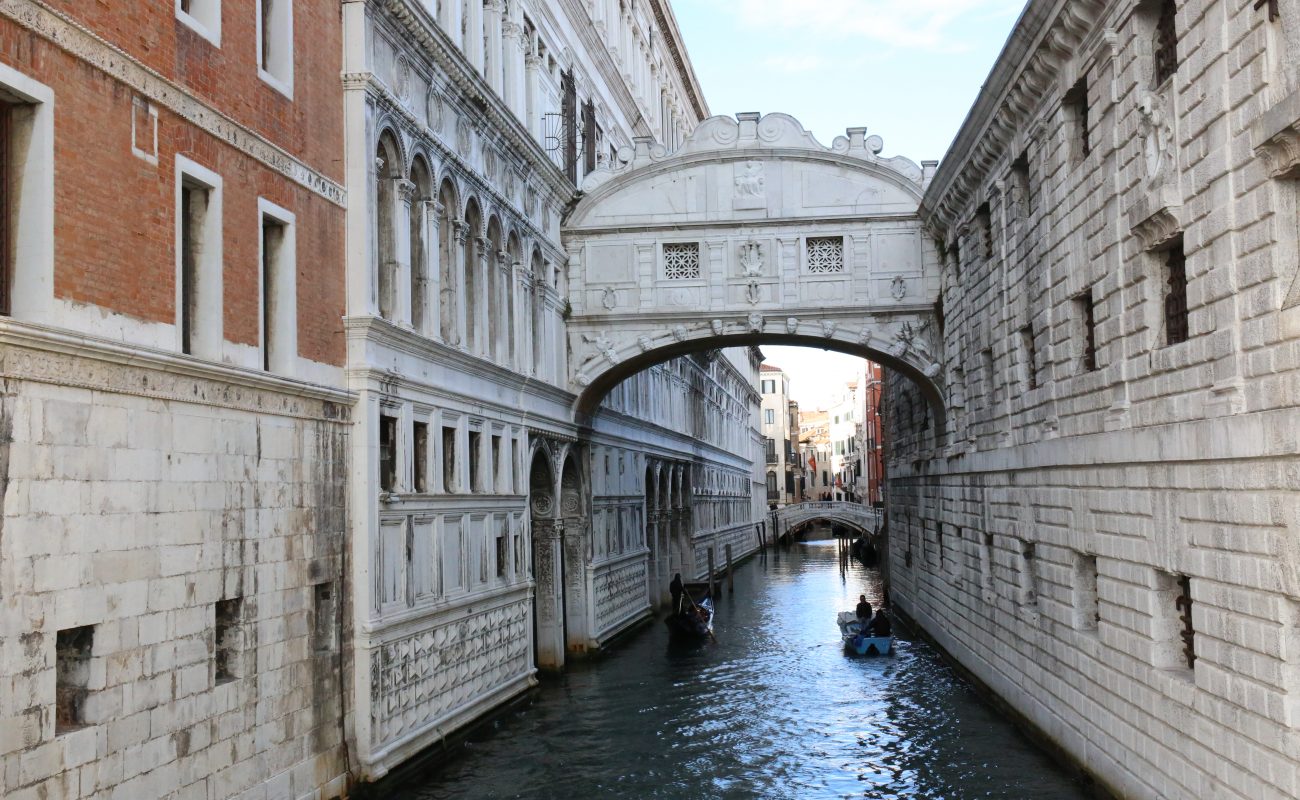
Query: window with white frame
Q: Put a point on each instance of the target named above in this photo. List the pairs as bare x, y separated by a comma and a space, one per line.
26, 195
198, 260
682, 261
279, 290
203, 16
275, 43
825, 254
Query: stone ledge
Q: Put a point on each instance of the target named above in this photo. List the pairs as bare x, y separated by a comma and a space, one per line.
1277, 138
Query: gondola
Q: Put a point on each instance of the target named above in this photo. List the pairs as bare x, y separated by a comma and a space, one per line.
693, 621
858, 644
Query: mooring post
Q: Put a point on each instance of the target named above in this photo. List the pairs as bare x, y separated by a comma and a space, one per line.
731, 583
712, 590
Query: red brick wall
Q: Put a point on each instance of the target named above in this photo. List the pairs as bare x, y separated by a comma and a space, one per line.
115, 213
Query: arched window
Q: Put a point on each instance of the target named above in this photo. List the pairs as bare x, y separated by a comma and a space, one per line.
388, 170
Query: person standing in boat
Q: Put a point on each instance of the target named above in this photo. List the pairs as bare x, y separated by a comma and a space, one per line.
677, 591
863, 611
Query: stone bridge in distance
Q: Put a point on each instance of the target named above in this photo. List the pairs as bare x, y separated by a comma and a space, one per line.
752, 232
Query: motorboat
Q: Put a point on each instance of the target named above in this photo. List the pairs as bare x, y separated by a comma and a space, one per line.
856, 642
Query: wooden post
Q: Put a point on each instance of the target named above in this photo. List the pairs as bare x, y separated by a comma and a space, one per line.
711, 573
731, 583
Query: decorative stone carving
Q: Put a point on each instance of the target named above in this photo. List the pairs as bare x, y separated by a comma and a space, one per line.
756, 323
603, 345
791, 325
490, 163
1158, 137
753, 293
751, 192
828, 328
402, 80
864, 338
645, 343
898, 288
609, 298
434, 111
716, 326
751, 259
679, 333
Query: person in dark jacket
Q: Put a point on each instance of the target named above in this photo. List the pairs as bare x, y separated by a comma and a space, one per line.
677, 591
863, 611
880, 625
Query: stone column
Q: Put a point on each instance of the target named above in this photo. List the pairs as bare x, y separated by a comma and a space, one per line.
492, 13
473, 45
548, 560
501, 317
450, 19
433, 288
577, 619
532, 94
460, 329
512, 46
401, 275
483, 283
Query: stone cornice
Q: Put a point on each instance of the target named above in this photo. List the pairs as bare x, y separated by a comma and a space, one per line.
426, 33
1277, 137
45, 354
673, 35
82, 43
1047, 37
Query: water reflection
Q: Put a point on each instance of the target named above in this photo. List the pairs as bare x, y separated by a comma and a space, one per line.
773, 709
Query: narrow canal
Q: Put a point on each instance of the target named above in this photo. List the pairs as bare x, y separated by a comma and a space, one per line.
773, 709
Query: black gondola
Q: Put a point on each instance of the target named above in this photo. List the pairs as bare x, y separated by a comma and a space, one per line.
693, 619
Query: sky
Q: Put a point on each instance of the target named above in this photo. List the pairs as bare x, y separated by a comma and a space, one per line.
908, 70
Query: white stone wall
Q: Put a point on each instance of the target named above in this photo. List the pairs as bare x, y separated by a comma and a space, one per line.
1043, 538
137, 496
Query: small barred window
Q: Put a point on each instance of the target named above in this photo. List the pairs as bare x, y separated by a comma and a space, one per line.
682, 261
826, 254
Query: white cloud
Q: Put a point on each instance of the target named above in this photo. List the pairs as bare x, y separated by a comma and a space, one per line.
929, 24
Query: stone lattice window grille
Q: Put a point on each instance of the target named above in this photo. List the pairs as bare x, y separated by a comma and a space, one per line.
825, 254
682, 261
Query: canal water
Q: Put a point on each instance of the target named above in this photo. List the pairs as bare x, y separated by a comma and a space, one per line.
773, 709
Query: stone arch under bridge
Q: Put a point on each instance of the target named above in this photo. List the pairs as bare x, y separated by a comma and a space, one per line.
752, 232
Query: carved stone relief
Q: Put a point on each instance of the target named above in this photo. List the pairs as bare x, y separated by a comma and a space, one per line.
750, 186
751, 259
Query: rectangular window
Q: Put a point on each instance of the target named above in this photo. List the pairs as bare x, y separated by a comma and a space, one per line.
1020, 180
475, 457
275, 44
503, 553
1173, 632
1087, 327
420, 455
202, 16
448, 459
984, 226
1030, 351
1165, 46
323, 615
198, 260
825, 254
590, 136
1175, 294
1077, 113
769, 416
769, 387
495, 465
72, 651
1028, 575
681, 261
279, 278
387, 453
228, 640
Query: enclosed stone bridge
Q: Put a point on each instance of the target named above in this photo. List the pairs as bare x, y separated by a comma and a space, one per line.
839, 512
752, 232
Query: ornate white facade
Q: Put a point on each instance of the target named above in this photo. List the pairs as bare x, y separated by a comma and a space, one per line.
493, 531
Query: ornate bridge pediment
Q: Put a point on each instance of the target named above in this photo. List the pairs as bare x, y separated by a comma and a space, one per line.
752, 232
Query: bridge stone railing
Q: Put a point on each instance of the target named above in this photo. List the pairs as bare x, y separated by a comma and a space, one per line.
842, 511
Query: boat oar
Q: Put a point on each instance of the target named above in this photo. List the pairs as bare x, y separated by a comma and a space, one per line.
697, 612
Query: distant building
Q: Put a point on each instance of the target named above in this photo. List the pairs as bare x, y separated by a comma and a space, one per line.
841, 446
780, 426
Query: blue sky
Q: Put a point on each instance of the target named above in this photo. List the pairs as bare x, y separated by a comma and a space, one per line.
907, 69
